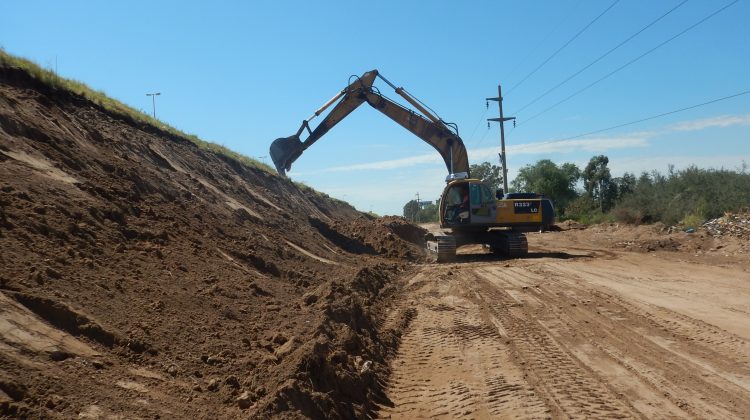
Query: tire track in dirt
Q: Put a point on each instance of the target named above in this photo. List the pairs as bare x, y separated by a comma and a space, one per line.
566, 383
730, 346
700, 367
453, 362
639, 356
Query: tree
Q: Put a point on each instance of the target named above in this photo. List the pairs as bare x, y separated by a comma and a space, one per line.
411, 209
555, 182
420, 213
598, 182
625, 185
428, 213
489, 173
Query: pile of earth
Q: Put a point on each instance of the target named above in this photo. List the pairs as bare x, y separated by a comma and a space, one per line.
730, 224
144, 276
390, 236
658, 237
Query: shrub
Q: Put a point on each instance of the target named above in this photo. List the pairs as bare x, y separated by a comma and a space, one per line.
628, 215
692, 221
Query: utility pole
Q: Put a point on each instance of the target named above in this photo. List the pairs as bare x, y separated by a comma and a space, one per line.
153, 100
416, 211
501, 120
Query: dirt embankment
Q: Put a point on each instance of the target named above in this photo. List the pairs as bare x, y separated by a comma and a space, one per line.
141, 276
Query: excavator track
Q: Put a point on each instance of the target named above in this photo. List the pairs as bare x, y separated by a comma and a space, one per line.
510, 244
444, 247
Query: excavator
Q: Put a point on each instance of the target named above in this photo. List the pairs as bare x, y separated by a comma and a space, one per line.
470, 212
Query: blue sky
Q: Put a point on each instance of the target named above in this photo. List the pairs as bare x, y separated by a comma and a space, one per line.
244, 73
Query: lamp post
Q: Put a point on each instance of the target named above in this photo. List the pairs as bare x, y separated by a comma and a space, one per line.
153, 100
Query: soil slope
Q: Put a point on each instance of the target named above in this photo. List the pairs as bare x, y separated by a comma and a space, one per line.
141, 276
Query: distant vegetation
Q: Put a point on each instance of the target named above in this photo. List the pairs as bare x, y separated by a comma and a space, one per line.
421, 212
100, 98
687, 197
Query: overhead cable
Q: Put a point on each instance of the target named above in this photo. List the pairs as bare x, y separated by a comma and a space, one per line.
578, 92
562, 47
647, 118
533, 50
550, 90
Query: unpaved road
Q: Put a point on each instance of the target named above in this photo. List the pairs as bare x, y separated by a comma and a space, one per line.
576, 330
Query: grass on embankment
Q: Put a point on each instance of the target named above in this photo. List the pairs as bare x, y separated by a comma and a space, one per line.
112, 105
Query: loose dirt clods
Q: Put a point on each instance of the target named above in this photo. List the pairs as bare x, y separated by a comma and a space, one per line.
143, 276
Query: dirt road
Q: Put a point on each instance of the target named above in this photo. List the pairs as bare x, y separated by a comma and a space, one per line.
576, 330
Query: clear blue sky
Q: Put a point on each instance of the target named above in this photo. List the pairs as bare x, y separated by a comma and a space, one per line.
244, 73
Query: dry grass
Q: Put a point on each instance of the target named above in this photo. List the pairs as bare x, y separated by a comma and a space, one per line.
112, 105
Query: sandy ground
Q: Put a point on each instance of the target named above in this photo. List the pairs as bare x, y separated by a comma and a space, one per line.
579, 329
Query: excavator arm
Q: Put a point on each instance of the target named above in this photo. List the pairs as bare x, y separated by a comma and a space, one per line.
284, 151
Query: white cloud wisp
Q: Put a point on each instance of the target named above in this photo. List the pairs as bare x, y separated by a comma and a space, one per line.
597, 145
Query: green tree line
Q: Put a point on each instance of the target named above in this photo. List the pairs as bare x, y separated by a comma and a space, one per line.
688, 196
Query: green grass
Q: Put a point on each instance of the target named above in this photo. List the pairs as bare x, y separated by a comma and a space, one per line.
112, 105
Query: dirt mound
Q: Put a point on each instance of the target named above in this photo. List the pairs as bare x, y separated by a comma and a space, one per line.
390, 236
737, 225
658, 237
143, 276
567, 225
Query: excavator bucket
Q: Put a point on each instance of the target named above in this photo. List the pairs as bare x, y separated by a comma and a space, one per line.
284, 151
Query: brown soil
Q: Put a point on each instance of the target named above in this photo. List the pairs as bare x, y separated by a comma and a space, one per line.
141, 276
601, 322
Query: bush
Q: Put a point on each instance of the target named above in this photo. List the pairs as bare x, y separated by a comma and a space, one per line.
596, 216
692, 221
692, 193
628, 215
579, 207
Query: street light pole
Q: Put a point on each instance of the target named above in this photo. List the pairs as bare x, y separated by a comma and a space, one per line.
153, 100
502, 120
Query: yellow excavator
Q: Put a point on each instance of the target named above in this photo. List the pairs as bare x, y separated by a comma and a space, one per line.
470, 212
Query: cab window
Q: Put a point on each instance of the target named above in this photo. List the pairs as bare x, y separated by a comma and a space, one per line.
487, 196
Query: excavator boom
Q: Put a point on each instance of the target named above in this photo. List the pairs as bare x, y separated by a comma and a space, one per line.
472, 212
284, 151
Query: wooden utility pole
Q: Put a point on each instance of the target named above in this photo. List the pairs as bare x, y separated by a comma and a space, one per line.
416, 213
501, 120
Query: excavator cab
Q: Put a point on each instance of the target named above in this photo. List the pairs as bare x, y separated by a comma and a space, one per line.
468, 202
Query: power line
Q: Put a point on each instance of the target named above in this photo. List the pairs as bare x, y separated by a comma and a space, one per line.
649, 118
602, 56
471, 137
628, 63
483, 137
533, 50
570, 13
562, 47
